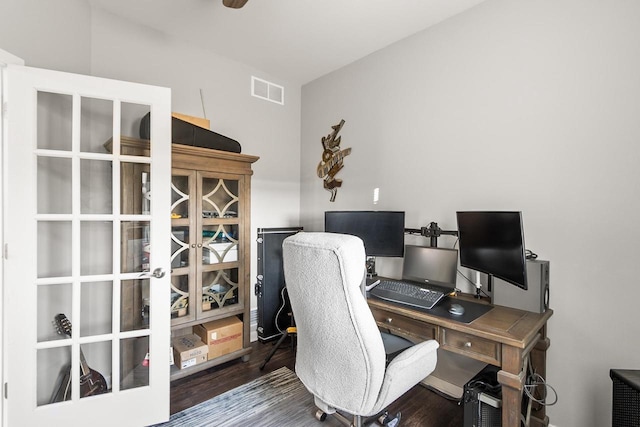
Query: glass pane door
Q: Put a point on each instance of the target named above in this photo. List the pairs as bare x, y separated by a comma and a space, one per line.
183, 246
219, 238
86, 238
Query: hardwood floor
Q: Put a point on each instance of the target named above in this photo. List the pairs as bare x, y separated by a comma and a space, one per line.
420, 407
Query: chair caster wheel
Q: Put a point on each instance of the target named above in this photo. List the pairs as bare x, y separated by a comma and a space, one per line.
390, 420
382, 418
320, 415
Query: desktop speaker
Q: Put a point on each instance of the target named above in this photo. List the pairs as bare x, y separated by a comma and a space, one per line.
273, 309
535, 298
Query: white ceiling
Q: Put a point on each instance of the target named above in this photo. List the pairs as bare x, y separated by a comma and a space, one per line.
296, 40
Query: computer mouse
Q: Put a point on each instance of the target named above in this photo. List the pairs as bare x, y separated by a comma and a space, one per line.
456, 309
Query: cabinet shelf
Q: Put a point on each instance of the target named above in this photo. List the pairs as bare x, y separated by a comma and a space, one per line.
181, 373
223, 314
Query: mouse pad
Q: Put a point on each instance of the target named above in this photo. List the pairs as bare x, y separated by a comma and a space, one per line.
472, 310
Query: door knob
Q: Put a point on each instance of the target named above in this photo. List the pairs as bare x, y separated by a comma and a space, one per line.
158, 273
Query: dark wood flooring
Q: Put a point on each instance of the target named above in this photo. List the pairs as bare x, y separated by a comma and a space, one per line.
420, 407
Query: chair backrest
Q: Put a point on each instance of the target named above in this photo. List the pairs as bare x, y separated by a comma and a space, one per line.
340, 355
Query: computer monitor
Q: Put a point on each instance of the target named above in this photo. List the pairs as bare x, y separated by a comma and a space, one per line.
431, 265
381, 231
493, 243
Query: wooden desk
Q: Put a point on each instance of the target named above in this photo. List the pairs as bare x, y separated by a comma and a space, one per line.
503, 337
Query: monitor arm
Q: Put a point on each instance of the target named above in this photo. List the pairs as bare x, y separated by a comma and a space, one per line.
432, 231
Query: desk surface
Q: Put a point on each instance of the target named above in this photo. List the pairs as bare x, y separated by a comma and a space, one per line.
514, 327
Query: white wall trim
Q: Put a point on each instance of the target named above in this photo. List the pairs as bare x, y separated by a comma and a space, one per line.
253, 325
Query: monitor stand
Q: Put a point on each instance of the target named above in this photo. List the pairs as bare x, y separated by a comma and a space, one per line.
478, 285
370, 265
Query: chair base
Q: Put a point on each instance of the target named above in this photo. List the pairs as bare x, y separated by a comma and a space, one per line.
382, 419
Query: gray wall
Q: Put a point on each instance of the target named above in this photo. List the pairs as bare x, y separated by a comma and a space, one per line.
529, 106
53, 35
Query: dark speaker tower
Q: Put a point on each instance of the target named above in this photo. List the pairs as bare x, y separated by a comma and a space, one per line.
272, 307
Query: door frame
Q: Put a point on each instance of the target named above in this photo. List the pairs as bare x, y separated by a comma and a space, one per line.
5, 59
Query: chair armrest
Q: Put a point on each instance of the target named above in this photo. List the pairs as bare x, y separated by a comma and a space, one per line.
405, 371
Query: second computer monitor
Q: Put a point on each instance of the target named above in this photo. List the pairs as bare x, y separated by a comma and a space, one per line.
428, 264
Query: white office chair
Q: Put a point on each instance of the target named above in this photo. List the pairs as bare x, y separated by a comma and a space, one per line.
340, 356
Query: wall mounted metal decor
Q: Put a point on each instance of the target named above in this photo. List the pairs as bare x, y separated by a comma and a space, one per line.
332, 160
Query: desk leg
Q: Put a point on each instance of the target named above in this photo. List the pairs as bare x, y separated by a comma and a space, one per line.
539, 363
512, 379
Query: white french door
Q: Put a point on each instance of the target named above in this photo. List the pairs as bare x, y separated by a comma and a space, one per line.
86, 269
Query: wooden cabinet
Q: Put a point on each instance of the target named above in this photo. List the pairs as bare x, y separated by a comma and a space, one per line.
210, 240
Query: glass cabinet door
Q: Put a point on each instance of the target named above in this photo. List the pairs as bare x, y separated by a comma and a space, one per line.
183, 246
219, 249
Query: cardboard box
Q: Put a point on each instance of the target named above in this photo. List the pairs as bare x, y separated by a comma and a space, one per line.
222, 336
189, 350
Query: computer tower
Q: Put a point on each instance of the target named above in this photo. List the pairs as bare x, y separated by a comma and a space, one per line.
273, 309
482, 399
535, 298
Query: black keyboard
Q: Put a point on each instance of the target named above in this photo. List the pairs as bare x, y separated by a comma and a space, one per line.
408, 293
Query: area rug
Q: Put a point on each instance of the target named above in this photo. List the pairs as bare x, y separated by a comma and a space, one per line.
276, 399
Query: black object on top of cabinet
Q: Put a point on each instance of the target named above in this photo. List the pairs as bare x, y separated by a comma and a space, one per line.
186, 133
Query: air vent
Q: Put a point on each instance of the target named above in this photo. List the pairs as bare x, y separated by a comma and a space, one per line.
266, 90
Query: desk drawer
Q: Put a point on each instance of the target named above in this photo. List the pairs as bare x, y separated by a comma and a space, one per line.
404, 326
469, 345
